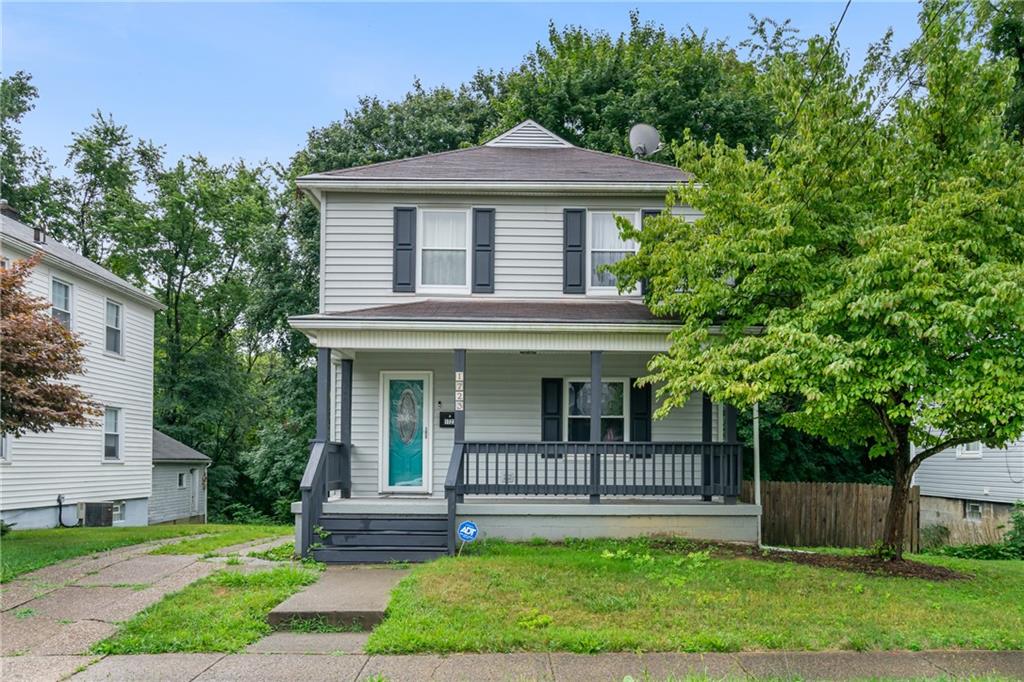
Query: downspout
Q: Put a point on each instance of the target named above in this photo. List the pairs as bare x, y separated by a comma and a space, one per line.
757, 468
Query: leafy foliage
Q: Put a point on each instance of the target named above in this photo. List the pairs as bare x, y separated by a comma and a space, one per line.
39, 355
870, 266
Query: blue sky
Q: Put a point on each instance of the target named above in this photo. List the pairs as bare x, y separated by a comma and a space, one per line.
241, 80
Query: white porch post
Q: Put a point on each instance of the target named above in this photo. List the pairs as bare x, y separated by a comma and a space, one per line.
757, 467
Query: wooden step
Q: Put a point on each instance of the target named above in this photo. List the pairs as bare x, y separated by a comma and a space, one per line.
363, 523
388, 538
375, 555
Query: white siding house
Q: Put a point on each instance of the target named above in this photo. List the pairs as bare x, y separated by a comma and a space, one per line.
464, 317
971, 489
110, 461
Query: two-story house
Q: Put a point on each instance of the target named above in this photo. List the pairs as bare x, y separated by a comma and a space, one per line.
464, 319
110, 461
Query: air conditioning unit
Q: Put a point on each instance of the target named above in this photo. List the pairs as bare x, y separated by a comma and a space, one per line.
96, 513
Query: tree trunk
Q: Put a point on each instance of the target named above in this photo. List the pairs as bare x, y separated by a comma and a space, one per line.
896, 516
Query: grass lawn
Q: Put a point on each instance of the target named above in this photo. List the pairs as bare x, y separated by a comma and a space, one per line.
222, 613
589, 596
225, 536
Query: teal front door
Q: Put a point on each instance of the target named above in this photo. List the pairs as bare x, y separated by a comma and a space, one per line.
407, 418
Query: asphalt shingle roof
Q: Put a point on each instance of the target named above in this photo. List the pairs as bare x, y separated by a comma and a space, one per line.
475, 310
167, 449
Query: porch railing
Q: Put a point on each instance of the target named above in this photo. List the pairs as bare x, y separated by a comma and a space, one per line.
329, 468
593, 469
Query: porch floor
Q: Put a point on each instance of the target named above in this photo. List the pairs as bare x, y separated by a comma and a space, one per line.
534, 506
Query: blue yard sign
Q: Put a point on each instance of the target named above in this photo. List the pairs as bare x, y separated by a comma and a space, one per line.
468, 531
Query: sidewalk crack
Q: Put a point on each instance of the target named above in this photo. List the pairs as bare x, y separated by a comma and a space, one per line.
212, 663
359, 672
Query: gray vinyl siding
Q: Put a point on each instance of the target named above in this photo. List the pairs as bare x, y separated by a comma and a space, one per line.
69, 460
359, 229
169, 502
503, 393
998, 476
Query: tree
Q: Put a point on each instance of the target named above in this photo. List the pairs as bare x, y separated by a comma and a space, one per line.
24, 172
871, 265
1003, 24
590, 88
40, 357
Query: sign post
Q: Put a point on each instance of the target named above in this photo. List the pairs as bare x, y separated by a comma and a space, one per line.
467, 532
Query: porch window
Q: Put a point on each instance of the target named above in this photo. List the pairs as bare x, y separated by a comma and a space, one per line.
60, 299
444, 252
613, 410
607, 247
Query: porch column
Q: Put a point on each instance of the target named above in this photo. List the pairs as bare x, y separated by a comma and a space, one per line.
595, 421
323, 394
707, 408
460, 420
733, 469
345, 428
460, 395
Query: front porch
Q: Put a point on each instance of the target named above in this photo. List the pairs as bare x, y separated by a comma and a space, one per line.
413, 439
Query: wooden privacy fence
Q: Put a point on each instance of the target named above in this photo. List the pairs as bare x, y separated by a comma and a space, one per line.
829, 514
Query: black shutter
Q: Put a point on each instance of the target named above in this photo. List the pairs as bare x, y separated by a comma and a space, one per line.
483, 250
574, 263
551, 410
640, 407
644, 215
404, 262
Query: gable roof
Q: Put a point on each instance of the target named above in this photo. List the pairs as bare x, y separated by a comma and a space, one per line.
55, 252
527, 154
167, 449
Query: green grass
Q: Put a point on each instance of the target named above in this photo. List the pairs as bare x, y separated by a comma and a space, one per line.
624, 596
22, 551
285, 552
227, 536
222, 613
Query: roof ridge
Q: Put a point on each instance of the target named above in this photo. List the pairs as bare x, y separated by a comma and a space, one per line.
634, 159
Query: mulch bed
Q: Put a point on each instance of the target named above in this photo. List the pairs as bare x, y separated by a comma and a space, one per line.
867, 564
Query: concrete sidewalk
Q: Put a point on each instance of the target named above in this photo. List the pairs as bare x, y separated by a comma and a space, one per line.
843, 665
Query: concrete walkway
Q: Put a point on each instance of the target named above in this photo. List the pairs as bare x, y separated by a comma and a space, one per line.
846, 665
347, 596
64, 609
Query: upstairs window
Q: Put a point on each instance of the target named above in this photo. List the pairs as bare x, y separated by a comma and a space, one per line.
607, 247
60, 299
613, 410
114, 327
444, 250
969, 450
112, 434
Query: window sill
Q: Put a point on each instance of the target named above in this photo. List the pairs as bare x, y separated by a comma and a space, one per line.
112, 461
441, 291
969, 457
113, 355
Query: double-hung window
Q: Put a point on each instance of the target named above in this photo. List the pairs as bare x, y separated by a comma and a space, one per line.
607, 247
969, 450
60, 300
115, 327
181, 480
613, 410
112, 428
444, 250
5, 448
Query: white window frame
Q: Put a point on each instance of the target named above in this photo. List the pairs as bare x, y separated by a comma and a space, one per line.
443, 288
5, 448
117, 512
71, 300
967, 511
599, 290
963, 453
181, 480
109, 302
604, 380
119, 433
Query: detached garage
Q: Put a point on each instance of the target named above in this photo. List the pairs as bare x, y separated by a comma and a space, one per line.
179, 482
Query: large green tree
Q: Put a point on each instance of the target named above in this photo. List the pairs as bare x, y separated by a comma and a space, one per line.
591, 87
24, 171
872, 264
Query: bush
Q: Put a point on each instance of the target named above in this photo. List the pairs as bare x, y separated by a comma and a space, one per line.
6, 528
1012, 546
984, 552
237, 512
1015, 536
933, 536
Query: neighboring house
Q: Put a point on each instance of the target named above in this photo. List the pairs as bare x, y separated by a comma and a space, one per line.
464, 316
110, 461
971, 489
179, 482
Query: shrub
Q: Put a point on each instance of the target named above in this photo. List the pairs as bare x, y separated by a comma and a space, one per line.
237, 512
935, 535
1015, 535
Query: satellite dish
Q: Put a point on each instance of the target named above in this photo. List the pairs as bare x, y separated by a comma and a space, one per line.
644, 139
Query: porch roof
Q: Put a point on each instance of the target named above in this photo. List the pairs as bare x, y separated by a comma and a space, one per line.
503, 311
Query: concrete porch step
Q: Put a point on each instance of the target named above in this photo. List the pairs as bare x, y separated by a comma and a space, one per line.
382, 522
377, 555
389, 538
345, 596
